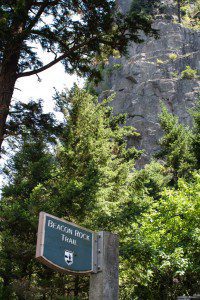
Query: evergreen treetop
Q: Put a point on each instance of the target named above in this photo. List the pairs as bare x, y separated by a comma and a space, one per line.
72, 31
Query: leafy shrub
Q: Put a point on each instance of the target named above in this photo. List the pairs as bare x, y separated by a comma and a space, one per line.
160, 61
190, 15
189, 73
173, 56
174, 74
117, 66
116, 54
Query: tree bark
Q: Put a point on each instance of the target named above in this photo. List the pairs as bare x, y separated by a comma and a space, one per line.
6, 292
8, 77
76, 286
179, 11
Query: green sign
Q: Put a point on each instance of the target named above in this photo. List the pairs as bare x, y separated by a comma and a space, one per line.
65, 246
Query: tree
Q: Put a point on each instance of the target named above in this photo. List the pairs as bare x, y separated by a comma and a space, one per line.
31, 165
188, 8
86, 180
89, 178
159, 228
196, 133
72, 30
144, 6
161, 249
176, 145
94, 163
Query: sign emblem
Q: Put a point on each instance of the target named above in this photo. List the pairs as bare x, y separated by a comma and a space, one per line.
69, 255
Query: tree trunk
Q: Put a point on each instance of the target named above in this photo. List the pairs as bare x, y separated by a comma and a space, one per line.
76, 286
8, 77
6, 292
179, 11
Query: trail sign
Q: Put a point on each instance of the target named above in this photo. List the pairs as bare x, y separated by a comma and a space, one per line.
65, 246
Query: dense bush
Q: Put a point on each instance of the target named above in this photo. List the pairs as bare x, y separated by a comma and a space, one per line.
189, 73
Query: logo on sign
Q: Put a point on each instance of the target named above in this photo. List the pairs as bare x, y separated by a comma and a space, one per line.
69, 255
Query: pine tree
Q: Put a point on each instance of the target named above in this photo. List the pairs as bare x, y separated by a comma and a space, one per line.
94, 162
86, 181
176, 145
196, 133
73, 31
26, 168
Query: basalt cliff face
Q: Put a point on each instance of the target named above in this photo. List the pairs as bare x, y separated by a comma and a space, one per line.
150, 75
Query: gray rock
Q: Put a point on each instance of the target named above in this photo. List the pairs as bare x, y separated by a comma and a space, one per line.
149, 76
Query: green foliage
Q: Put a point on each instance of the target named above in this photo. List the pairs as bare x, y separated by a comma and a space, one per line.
94, 163
160, 244
196, 133
117, 66
93, 26
88, 177
189, 73
190, 14
152, 179
29, 121
144, 6
27, 168
173, 56
176, 145
160, 61
175, 74
85, 181
163, 246
74, 32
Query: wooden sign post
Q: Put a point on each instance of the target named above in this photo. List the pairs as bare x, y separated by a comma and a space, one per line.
105, 284
69, 248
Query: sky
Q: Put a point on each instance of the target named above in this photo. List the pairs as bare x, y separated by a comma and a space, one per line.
30, 87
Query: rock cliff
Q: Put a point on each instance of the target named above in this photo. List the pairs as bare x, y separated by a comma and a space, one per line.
151, 73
